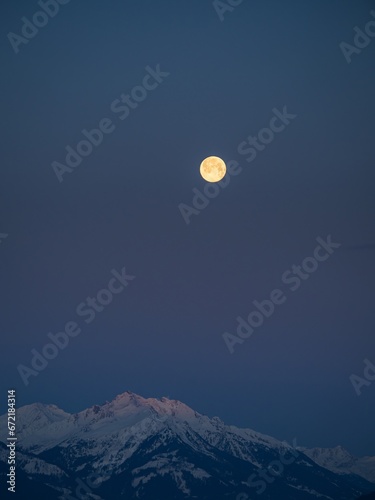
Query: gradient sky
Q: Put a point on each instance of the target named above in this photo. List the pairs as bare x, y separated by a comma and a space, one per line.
162, 336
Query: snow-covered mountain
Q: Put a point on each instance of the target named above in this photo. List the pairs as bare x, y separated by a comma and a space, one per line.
340, 461
154, 449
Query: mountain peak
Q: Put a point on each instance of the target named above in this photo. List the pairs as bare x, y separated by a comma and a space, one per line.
128, 397
145, 441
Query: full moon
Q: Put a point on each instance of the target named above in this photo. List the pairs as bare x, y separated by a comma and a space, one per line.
213, 169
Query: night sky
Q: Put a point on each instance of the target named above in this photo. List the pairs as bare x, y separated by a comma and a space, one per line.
163, 334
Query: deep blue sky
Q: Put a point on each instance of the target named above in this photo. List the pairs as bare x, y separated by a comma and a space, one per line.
163, 335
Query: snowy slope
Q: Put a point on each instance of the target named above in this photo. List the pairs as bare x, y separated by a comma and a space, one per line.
340, 461
132, 446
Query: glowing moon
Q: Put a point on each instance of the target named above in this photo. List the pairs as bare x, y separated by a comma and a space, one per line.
213, 169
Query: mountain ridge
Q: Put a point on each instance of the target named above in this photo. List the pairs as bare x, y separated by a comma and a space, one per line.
134, 446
